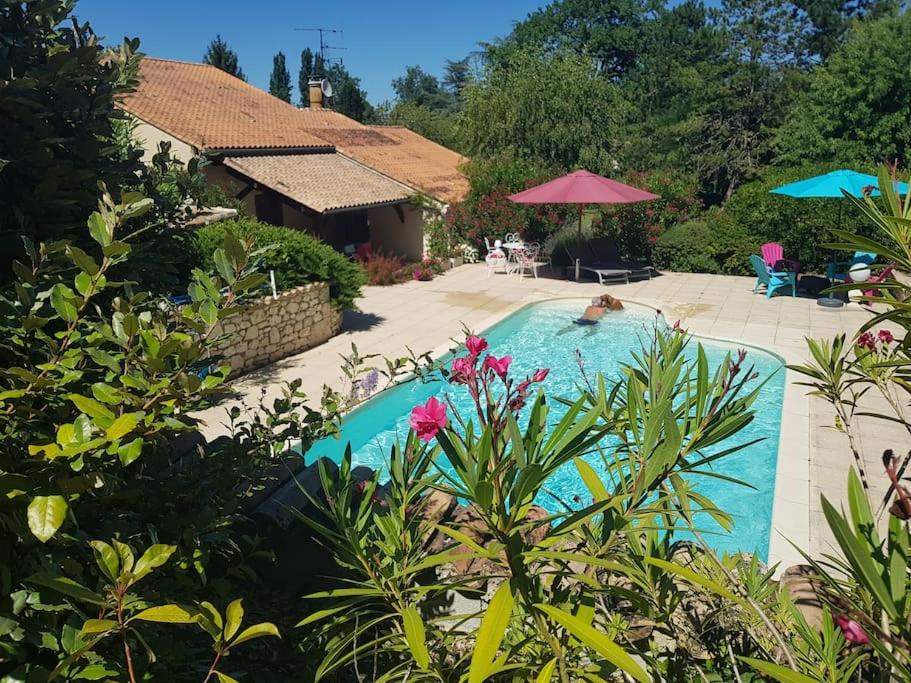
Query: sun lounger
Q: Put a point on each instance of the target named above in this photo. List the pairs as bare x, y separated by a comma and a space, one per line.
608, 256
604, 273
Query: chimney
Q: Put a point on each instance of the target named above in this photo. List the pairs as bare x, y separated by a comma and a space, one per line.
314, 85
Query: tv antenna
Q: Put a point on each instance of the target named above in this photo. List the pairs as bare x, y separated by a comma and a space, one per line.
325, 48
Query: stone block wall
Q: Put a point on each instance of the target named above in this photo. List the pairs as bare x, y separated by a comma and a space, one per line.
268, 329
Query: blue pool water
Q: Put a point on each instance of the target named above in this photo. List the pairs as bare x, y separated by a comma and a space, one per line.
542, 335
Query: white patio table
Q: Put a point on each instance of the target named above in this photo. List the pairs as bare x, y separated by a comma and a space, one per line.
513, 249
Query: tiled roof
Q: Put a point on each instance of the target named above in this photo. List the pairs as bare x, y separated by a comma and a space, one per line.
210, 109
322, 182
401, 154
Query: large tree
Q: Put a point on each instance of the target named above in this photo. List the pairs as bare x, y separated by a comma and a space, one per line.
347, 96
457, 75
418, 87
58, 122
220, 55
611, 32
280, 79
555, 109
829, 20
857, 107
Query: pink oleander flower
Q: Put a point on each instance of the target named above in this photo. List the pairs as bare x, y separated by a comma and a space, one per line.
866, 341
461, 371
886, 336
540, 375
475, 345
429, 419
851, 630
499, 365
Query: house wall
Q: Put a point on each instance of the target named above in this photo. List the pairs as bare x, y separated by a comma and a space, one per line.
267, 330
149, 136
390, 234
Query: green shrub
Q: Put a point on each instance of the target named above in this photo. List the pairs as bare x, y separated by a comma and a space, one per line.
683, 248
296, 257
713, 244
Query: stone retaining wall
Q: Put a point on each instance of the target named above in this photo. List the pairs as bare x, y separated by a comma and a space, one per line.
268, 329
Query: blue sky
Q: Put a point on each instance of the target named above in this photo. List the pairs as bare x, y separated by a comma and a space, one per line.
381, 37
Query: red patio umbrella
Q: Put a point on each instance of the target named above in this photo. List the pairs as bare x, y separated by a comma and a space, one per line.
582, 187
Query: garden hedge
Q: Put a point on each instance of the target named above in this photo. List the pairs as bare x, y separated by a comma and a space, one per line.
296, 257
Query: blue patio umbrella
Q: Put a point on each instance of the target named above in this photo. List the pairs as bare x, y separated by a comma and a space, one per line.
830, 185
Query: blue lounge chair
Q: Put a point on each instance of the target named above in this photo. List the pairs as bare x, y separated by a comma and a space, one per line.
771, 279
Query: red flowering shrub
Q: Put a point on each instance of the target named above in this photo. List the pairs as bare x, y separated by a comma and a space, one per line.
638, 226
493, 215
383, 269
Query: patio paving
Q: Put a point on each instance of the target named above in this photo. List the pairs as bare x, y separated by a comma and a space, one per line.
813, 457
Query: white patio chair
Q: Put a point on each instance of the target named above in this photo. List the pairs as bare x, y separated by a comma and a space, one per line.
529, 259
496, 257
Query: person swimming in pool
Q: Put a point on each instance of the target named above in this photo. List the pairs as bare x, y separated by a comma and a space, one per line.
601, 305
598, 307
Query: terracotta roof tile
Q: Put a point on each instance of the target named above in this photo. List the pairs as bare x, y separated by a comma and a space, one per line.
322, 182
401, 154
210, 109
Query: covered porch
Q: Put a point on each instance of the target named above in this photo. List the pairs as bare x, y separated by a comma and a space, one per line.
330, 196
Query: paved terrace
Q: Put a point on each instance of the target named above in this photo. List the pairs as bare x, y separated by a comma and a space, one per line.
813, 457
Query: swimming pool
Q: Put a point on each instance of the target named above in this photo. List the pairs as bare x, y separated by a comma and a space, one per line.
542, 335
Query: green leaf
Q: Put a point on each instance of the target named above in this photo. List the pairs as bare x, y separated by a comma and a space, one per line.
490, 634
256, 631
107, 560
591, 480
91, 407
699, 580
416, 636
321, 614
63, 300
83, 282
67, 587
234, 614
82, 260
547, 672
106, 393
93, 626
225, 678
46, 515
778, 672
98, 229
128, 452
599, 642
859, 557
166, 614
154, 556
123, 425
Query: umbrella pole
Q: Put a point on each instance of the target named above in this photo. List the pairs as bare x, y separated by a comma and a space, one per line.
579, 245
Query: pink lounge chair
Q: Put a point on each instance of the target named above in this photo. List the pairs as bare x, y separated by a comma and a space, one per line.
876, 279
773, 255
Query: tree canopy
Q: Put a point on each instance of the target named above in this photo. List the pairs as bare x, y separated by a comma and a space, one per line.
220, 55
280, 79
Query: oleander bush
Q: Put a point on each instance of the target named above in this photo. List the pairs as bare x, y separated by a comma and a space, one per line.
296, 257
